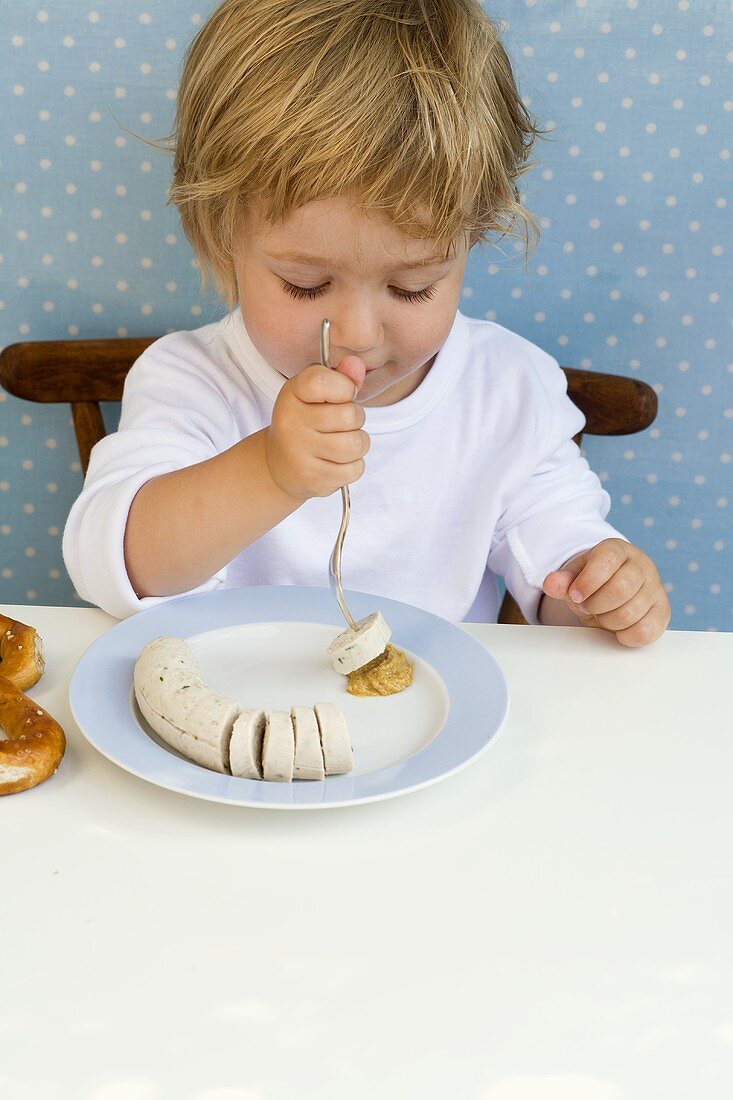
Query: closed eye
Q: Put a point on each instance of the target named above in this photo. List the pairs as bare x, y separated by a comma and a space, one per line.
316, 292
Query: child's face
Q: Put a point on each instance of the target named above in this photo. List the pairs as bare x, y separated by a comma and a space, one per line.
361, 279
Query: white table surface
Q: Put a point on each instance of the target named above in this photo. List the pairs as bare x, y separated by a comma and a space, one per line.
551, 923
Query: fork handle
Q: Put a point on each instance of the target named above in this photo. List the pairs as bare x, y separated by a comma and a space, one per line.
335, 563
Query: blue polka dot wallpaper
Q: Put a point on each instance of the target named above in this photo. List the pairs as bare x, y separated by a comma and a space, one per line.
632, 274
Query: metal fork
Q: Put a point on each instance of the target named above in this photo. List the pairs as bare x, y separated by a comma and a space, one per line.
334, 565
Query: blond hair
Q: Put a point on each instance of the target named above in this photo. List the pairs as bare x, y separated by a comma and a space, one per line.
408, 105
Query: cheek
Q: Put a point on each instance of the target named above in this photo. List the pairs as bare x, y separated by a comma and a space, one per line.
274, 331
419, 341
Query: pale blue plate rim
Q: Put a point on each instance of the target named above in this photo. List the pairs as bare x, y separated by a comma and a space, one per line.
100, 694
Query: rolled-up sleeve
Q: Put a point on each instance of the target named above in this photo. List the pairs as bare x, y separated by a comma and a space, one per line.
171, 418
558, 510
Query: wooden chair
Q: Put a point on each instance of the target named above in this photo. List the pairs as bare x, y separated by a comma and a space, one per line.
85, 372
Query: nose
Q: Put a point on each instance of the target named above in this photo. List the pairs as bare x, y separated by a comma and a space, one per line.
353, 346
355, 334
342, 350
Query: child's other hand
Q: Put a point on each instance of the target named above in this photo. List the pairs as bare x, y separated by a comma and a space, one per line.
315, 444
616, 586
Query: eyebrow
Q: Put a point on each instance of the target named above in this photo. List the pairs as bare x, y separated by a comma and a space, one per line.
318, 261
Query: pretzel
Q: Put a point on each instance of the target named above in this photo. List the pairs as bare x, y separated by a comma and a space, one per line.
35, 742
21, 653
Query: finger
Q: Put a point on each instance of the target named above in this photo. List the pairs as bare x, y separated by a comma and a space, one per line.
317, 384
629, 613
619, 590
347, 417
557, 584
343, 446
354, 368
603, 561
648, 628
335, 475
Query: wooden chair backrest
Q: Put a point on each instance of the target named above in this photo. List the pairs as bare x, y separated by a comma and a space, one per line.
85, 372
80, 372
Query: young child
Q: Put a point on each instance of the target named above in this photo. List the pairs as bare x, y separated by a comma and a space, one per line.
339, 161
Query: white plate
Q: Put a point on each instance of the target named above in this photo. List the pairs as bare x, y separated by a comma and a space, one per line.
265, 647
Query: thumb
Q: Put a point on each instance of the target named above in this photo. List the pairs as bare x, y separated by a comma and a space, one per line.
354, 368
556, 584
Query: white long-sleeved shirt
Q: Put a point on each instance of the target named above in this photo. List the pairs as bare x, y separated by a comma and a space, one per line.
474, 474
